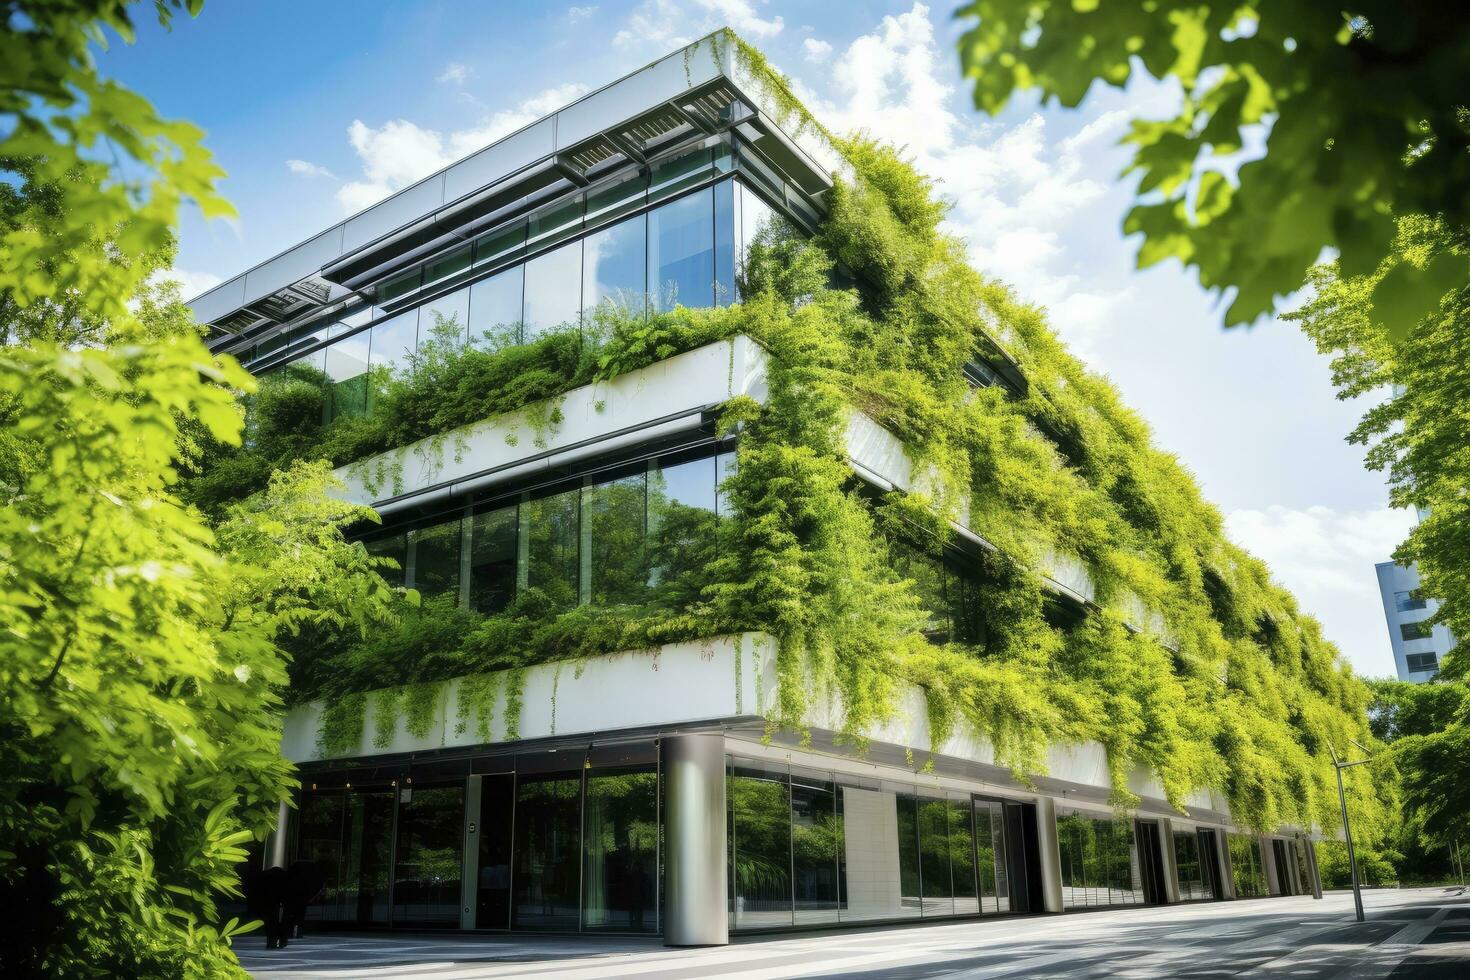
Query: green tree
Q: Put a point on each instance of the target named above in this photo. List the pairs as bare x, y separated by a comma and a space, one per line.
1362, 106
141, 666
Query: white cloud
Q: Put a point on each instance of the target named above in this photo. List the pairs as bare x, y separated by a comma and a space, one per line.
307, 169
816, 51
1326, 558
191, 284
400, 152
1015, 190
454, 73
575, 15
667, 24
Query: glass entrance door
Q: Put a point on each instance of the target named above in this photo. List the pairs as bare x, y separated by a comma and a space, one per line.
348, 834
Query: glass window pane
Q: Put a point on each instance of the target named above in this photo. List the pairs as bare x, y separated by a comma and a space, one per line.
938, 889
816, 841
347, 372
725, 291
493, 560
671, 176
348, 834
452, 264
492, 897
501, 245
619, 882
319, 840
614, 535
614, 268
725, 467
760, 846
609, 203
394, 546
553, 291
998, 844
962, 858
393, 345
682, 533
556, 223
430, 856
681, 260
446, 319
908, 853
548, 544
548, 850
434, 552
399, 285
495, 309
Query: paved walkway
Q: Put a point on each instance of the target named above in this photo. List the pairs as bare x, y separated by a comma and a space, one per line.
1421, 934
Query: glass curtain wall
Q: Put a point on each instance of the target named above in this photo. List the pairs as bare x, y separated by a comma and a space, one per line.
620, 850
1195, 875
805, 849
1099, 860
348, 834
1303, 865
1246, 868
625, 540
588, 256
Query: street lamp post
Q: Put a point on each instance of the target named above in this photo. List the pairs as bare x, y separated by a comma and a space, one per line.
1347, 830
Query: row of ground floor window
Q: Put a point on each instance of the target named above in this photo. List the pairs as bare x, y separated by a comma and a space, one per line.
578, 840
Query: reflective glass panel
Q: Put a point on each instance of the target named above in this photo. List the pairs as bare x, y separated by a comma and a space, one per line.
393, 345
614, 268
493, 560
548, 539
934, 869
760, 846
725, 291
908, 853
681, 260
1192, 884
495, 309
394, 546
619, 881
501, 245
614, 521
347, 373
962, 858
348, 835
553, 291
446, 320
452, 264
874, 844
435, 557
1246, 869
816, 842
999, 844
682, 534
548, 851
430, 856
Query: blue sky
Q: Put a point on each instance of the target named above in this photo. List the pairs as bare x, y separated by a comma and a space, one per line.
317, 109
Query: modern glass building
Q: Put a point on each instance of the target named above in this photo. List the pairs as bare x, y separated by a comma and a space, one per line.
1417, 646
642, 792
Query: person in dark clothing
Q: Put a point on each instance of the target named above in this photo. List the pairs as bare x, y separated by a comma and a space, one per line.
271, 889
303, 884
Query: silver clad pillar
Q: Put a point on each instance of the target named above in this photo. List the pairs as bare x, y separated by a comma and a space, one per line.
1171, 864
1051, 857
276, 854
695, 912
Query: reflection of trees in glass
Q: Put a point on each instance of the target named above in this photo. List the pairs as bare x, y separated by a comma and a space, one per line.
760, 810
1193, 877
547, 852
551, 526
616, 514
429, 856
1245, 866
620, 827
816, 843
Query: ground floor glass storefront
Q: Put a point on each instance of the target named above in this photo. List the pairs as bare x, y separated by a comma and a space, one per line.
559, 842
1196, 863
808, 848
1099, 858
1247, 870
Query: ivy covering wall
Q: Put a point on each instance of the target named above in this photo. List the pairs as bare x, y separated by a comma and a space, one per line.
1238, 692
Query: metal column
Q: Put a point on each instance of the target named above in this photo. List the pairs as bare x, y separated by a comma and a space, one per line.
470, 878
1051, 858
695, 912
276, 856
1171, 865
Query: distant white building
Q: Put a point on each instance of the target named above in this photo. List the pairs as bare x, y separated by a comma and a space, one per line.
1417, 648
